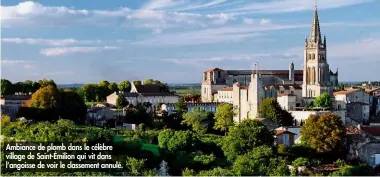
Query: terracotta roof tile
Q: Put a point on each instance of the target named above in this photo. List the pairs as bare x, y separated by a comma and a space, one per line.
148, 88
226, 89
345, 92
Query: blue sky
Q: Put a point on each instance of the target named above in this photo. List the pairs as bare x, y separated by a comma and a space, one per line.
81, 41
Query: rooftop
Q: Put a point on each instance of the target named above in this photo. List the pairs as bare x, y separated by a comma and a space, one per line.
346, 92
16, 97
373, 130
226, 89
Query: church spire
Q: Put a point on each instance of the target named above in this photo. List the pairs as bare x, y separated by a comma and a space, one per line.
315, 35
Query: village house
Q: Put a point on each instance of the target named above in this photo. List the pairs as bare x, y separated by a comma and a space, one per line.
139, 94
284, 137
10, 104
356, 102
363, 144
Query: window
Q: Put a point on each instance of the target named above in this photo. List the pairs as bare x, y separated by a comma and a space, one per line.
291, 92
377, 159
313, 56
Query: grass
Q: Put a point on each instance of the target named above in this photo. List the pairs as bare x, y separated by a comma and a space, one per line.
187, 91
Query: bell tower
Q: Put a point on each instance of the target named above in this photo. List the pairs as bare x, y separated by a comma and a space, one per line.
316, 71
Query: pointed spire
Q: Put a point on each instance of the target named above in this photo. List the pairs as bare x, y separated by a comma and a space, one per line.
315, 35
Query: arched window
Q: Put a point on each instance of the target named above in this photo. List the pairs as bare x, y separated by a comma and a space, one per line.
308, 56
313, 56
314, 75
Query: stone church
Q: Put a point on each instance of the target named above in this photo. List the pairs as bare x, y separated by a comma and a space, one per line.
245, 89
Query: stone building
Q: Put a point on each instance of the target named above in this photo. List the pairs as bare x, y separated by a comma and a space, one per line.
10, 104
144, 93
250, 87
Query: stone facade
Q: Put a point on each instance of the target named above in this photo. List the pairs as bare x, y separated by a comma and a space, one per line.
250, 87
144, 93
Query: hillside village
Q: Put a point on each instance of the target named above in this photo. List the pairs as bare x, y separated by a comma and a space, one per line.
278, 109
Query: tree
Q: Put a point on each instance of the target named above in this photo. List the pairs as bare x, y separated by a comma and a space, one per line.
175, 141
102, 91
245, 136
254, 163
301, 161
6, 87
88, 91
180, 106
323, 101
72, 106
35, 86
149, 81
188, 172
45, 83
19, 87
28, 86
135, 166
224, 117
45, 97
270, 109
196, 120
359, 170
121, 102
216, 172
113, 87
125, 86
324, 133
137, 82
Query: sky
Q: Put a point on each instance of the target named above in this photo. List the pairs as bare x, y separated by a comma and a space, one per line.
175, 41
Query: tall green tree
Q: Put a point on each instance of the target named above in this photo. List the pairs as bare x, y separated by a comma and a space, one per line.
245, 136
121, 102
125, 86
137, 82
196, 120
28, 86
180, 106
6, 87
224, 117
88, 92
149, 81
324, 133
19, 87
35, 86
323, 101
270, 109
72, 106
113, 87
255, 162
45, 82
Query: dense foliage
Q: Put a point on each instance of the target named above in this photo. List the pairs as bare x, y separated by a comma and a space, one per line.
323, 101
324, 133
224, 117
270, 109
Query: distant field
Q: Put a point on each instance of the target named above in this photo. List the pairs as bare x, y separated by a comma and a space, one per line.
186, 91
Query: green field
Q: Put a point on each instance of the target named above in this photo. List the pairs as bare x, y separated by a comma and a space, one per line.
186, 91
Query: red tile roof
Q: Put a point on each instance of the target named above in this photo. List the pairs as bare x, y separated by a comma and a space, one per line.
226, 89
345, 92
148, 88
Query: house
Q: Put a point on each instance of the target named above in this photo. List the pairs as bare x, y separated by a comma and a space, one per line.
10, 104
363, 145
139, 94
294, 130
356, 102
224, 95
100, 115
284, 137
212, 106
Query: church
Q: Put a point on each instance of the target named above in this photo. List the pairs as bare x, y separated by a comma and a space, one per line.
245, 89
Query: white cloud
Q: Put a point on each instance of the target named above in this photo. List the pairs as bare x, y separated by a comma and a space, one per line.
24, 63
362, 49
34, 13
240, 57
67, 50
248, 21
50, 42
280, 6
